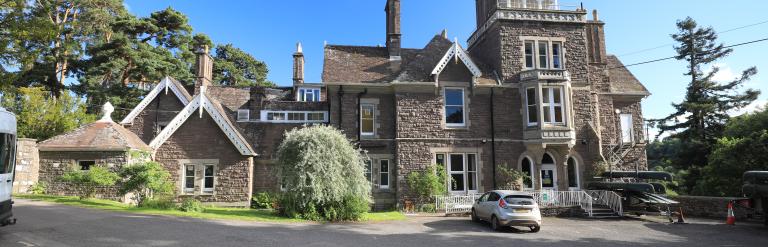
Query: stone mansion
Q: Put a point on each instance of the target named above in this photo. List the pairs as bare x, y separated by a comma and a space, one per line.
533, 90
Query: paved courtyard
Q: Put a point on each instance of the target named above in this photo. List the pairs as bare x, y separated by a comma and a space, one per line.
45, 224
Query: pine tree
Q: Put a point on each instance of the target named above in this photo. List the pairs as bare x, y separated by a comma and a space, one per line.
700, 119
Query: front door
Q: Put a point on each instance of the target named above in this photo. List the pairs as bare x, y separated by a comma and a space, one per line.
548, 177
626, 128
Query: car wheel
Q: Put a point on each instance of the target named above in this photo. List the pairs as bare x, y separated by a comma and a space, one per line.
535, 228
474, 216
495, 223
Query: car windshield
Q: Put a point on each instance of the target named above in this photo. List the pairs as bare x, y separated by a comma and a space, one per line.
519, 199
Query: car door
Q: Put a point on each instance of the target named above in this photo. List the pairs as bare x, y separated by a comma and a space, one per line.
480, 205
490, 204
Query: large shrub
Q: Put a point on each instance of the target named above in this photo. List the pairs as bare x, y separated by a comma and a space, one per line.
428, 183
323, 174
510, 178
145, 180
89, 180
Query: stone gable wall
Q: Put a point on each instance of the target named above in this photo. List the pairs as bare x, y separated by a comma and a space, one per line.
201, 139
163, 109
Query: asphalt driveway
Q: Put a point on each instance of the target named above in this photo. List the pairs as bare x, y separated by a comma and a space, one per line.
46, 224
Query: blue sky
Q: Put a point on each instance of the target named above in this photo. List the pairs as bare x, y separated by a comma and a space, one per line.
269, 31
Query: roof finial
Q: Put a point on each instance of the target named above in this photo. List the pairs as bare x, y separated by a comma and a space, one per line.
107, 110
298, 48
444, 33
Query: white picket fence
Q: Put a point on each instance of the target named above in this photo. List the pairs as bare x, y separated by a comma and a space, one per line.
456, 204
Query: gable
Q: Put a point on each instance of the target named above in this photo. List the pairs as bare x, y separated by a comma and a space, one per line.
200, 107
458, 54
456, 71
166, 86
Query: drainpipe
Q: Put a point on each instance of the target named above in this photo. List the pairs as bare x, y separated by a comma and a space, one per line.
493, 142
360, 95
341, 93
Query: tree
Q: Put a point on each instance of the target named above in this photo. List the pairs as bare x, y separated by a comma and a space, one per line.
235, 67
704, 111
41, 116
323, 175
90, 180
145, 180
743, 148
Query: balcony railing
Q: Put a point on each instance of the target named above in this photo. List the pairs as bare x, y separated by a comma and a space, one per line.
543, 74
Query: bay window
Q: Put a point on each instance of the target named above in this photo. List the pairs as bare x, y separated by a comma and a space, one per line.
543, 53
557, 55
529, 56
532, 108
552, 105
454, 107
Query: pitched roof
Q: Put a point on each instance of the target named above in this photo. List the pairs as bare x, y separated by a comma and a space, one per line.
203, 102
365, 64
622, 80
165, 85
96, 136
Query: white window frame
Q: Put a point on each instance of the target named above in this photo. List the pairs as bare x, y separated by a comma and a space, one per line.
535, 106
213, 176
546, 55
185, 178
303, 92
368, 169
549, 44
550, 103
464, 172
532, 55
372, 119
559, 55
383, 172
265, 114
243, 115
463, 107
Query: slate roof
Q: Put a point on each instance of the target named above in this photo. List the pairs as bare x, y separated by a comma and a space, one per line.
622, 80
96, 136
368, 64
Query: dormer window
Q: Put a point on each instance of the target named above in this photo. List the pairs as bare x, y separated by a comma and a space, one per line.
308, 95
543, 53
552, 105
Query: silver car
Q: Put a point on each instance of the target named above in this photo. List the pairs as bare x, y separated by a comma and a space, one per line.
504, 208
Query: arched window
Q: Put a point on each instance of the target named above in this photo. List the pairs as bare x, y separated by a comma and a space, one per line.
547, 159
527, 168
573, 173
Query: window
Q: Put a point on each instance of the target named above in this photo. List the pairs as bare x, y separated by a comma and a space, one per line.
533, 111
557, 55
189, 178
208, 176
86, 164
527, 168
7, 152
367, 119
368, 170
529, 56
293, 117
463, 170
454, 107
493, 197
440, 159
573, 176
552, 98
384, 174
309, 95
296, 116
243, 115
543, 55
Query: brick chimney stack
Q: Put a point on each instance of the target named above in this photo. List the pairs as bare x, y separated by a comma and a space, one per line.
298, 65
596, 39
204, 68
394, 43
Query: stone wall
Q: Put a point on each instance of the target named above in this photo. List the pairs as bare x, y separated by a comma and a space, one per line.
200, 141
53, 164
27, 165
708, 207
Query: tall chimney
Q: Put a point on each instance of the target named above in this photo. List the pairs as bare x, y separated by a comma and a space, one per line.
393, 29
204, 74
298, 65
596, 39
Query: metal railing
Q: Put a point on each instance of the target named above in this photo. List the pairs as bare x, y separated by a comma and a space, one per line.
456, 204
607, 198
563, 199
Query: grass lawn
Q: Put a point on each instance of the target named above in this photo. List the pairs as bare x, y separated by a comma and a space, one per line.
209, 212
